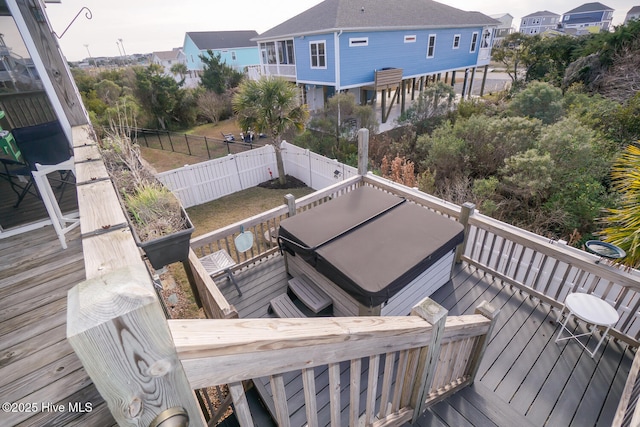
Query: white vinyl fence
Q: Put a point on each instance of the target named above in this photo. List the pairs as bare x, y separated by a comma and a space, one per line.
207, 181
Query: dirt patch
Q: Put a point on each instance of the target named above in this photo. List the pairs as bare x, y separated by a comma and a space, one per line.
274, 184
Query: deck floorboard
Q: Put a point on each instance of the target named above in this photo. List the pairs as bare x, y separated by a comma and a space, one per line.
37, 364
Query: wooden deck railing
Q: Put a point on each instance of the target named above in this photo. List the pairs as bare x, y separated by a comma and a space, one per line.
419, 359
628, 412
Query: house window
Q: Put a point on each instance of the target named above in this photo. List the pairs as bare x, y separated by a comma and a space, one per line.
285, 52
268, 51
318, 54
474, 42
456, 41
486, 37
290, 57
431, 46
358, 41
410, 39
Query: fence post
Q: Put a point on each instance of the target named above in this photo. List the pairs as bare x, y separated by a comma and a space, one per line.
290, 201
116, 326
422, 377
186, 139
206, 144
363, 151
490, 313
466, 211
170, 142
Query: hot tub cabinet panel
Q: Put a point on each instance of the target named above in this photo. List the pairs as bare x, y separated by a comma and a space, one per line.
398, 305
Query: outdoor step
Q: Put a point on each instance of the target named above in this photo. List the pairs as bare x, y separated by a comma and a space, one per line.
284, 307
309, 293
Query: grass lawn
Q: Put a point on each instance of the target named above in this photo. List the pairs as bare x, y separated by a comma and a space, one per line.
235, 207
164, 160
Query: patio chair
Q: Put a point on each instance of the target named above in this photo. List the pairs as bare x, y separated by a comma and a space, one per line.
44, 148
18, 175
220, 262
228, 137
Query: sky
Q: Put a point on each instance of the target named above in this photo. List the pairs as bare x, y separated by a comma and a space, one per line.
145, 26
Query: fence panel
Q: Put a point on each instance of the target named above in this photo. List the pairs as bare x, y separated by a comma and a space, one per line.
203, 182
256, 166
296, 162
207, 181
325, 172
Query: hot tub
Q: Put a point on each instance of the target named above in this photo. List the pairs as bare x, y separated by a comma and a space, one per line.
373, 252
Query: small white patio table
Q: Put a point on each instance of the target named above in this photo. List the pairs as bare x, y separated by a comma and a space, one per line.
590, 309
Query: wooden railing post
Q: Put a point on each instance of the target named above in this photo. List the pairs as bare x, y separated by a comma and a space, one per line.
628, 412
436, 315
490, 313
466, 211
363, 151
117, 328
290, 201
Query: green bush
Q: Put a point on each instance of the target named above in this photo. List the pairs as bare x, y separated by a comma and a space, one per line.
539, 101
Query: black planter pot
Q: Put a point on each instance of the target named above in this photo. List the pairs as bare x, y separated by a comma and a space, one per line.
167, 249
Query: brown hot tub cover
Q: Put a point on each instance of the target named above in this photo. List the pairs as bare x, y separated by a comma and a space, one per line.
370, 243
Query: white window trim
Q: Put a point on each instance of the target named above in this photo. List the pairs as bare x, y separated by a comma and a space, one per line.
410, 38
358, 41
474, 44
454, 41
318, 67
432, 37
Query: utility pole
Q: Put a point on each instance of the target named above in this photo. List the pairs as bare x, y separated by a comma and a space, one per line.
124, 52
119, 51
90, 58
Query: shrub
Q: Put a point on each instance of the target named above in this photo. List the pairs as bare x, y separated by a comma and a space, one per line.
540, 101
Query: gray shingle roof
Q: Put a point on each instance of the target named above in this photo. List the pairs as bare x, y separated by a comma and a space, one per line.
589, 7
167, 55
541, 13
361, 15
222, 39
633, 10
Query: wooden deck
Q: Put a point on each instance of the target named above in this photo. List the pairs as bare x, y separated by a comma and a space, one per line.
37, 364
525, 378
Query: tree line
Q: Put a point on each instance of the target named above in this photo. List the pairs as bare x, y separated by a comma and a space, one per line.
158, 100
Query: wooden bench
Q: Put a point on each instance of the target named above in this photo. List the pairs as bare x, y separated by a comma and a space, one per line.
283, 306
309, 293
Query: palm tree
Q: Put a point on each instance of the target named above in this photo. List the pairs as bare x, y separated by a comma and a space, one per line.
179, 69
271, 106
624, 221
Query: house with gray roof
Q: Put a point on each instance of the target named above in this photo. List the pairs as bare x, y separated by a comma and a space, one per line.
634, 13
539, 22
236, 48
503, 29
168, 58
348, 45
587, 18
